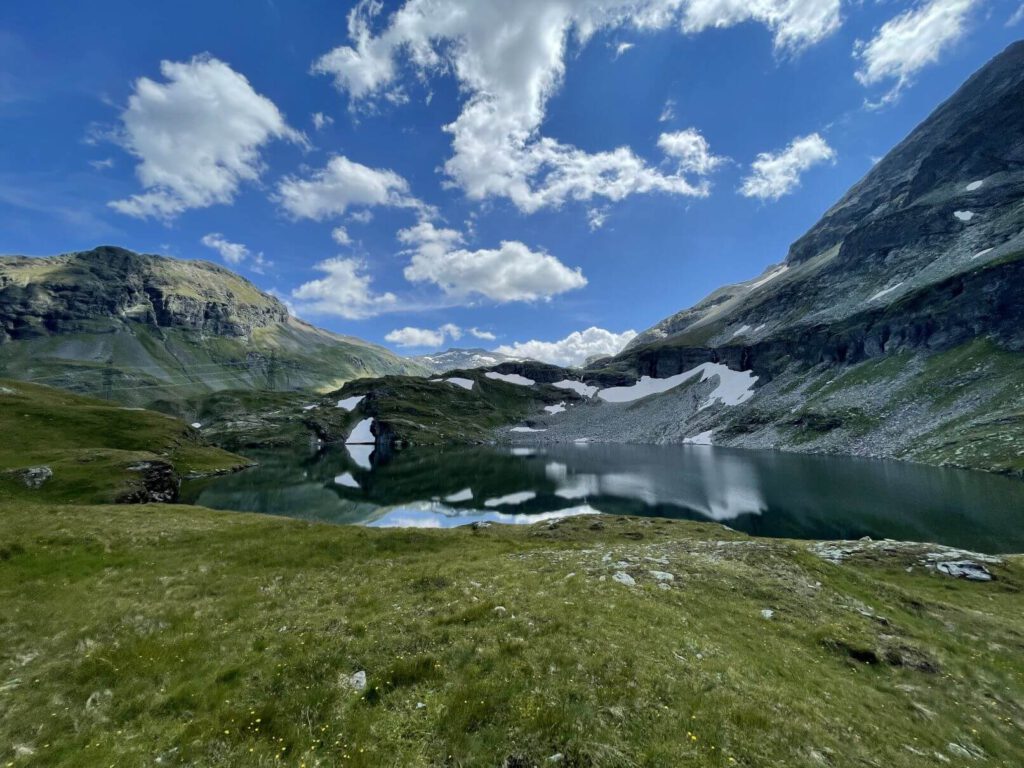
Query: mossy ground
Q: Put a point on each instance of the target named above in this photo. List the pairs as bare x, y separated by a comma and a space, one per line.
181, 636
90, 445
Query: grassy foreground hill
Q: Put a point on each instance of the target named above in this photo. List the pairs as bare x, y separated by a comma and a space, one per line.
172, 635
62, 447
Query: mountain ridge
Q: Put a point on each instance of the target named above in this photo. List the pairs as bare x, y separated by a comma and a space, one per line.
145, 329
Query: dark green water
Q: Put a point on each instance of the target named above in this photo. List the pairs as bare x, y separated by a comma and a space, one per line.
760, 492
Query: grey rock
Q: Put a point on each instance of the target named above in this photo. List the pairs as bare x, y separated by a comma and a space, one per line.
624, 578
34, 477
965, 569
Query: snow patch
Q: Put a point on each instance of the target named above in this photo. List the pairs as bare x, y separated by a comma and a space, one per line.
346, 480
979, 254
464, 383
704, 438
466, 494
975, 185
511, 499
576, 386
553, 409
510, 378
309, 407
734, 387
770, 276
526, 429
964, 215
196, 425
362, 434
740, 331
886, 292
349, 403
361, 454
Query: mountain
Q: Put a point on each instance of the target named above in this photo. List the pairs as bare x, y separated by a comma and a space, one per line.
144, 329
895, 326
461, 359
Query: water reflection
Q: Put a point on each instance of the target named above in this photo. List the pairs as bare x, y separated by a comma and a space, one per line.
763, 493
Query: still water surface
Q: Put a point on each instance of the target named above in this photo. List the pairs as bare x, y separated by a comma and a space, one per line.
763, 493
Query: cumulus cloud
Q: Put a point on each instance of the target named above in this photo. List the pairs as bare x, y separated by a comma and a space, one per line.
774, 175
511, 272
340, 236
909, 42
232, 253
509, 59
691, 151
197, 137
342, 183
235, 253
345, 290
424, 337
574, 350
321, 121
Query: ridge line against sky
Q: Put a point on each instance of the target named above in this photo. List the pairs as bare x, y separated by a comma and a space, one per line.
406, 170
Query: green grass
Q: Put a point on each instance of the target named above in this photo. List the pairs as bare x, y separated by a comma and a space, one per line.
91, 445
181, 636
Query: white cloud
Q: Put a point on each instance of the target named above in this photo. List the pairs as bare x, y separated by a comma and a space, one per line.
691, 150
361, 217
622, 48
102, 165
1017, 18
596, 218
340, 236
424, 337
479, 334
668, 112
236, 253
509, 59
232, 253
511, 272
415, 337
776, 174
342, 183
197, 136
574, 350
344, 291
320, 120
796, 23
911, 41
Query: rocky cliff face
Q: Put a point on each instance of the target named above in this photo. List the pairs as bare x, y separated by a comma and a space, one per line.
946, 206
149, 330
71, 293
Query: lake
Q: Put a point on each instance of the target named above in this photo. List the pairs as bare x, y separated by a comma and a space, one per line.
763, 493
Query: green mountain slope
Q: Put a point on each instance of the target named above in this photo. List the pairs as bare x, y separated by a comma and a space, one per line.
141, 329
62, 447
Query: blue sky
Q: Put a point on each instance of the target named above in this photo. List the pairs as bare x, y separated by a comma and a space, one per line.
527, 170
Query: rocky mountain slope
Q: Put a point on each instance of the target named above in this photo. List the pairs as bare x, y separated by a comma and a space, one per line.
461, 360
894, 327
144, 329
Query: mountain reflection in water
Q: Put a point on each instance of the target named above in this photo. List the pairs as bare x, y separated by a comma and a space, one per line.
764, 493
